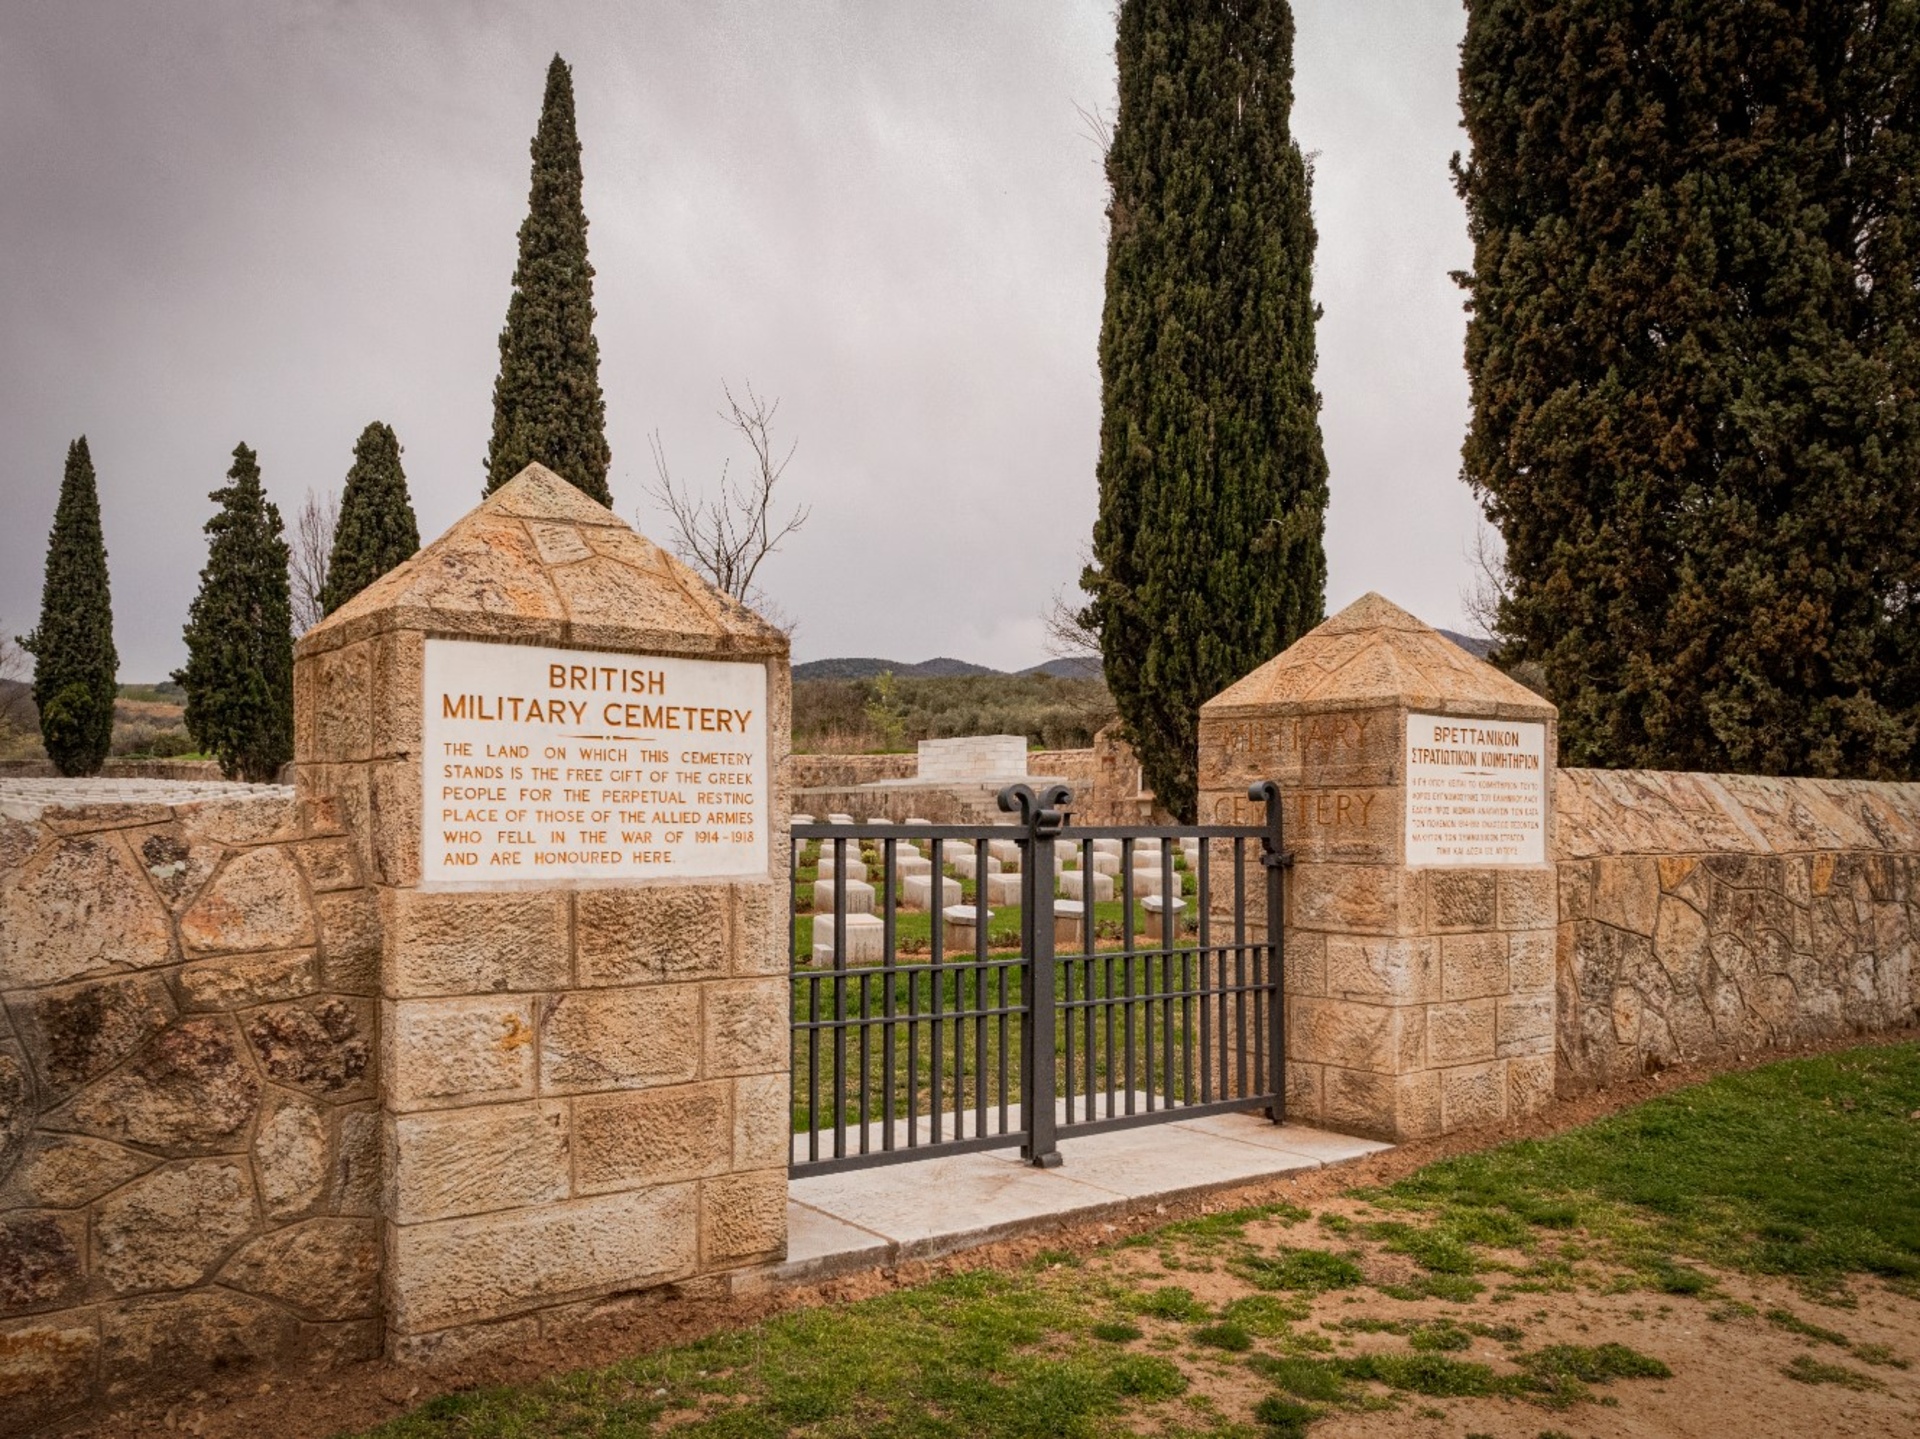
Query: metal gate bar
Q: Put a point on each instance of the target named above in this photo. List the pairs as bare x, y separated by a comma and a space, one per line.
1187, 1023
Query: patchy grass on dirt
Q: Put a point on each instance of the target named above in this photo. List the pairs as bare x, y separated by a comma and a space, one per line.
1492, 1293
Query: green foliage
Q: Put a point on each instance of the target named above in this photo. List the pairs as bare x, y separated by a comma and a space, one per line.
239, 671
1207, 555
1174, 1302
1311, 1270
856, 716
1694, 353
1808, 1370
1115, 1332
72, 647
547, 405
1234, 1338
1284, 1418
377, 530
1738, 1171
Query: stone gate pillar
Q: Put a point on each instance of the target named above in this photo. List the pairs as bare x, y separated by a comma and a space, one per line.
560, 753
1421, 908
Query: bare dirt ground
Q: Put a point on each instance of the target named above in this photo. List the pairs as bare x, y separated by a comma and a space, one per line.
1728, 1360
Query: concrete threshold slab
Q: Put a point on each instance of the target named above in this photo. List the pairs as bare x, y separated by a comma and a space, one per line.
864, 1219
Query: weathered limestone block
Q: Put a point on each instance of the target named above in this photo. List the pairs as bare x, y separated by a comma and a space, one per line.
620, 1038
1473, 1094
1073, 885
290, 1155
441, 1052
320, 1045
323, 1269
855, 896
1530, 1081
743, 1217
1626, 893
1461, 899
1528, 898
78, 1032
1381, 1039
47, 1369
1530, 960
42, 1260
350, 941
499, 1156
1461, 1033
762, 1121
654, 934
257, 901
465, 1271
1357, 899
1525, 1025
188, 1090
1473, 966
242, 981
1386, 971
243, 820
184, 1335
1004, 889
171, 1228
353, 1185
65, 1171
746, 1027
329, 864
917, 891
177, 860
830, 866
654, 1136
77, 907
463, 943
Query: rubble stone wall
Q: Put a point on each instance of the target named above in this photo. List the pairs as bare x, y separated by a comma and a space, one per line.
189, 1140
1705, 916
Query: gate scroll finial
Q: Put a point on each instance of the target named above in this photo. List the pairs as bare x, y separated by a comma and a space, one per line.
1042, 815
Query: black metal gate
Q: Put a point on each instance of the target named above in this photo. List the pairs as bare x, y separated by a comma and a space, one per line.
934, 1030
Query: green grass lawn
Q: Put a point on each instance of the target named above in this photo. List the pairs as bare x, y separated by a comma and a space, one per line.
1808, 1169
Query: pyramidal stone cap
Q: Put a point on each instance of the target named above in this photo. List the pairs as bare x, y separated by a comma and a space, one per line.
1371, 653
539, 562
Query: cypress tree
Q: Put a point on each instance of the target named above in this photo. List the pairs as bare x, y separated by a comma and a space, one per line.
1213, 483
1694, 350
75, 669
377, 530
547, 404
239, 671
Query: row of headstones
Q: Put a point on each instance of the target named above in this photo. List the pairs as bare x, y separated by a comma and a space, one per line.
914, 880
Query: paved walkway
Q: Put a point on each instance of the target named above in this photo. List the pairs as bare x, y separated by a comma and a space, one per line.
874, 1218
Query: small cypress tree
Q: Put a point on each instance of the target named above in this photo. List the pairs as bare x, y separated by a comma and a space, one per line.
547, 404
75, 670
239, 671
377, 530
1694, 351
1213, 483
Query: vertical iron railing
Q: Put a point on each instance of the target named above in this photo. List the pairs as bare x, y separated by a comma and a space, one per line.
991, 1033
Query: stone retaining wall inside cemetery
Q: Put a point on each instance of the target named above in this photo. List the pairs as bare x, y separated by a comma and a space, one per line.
1709, 916
831, 771
189, 1145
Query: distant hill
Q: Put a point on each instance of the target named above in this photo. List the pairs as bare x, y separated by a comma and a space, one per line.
1478, 648
939, 668
1079, 667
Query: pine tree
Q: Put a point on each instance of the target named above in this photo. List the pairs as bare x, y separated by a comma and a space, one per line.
1213, 483
75, 667
547, 404
377, 530
1694, 350
239, 671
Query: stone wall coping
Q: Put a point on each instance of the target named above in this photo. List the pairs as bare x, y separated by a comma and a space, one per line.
29, 799
1602, 813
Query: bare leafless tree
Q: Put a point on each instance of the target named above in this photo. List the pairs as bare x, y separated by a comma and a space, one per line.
1487, 582
311, 551
727, 538
1069, 636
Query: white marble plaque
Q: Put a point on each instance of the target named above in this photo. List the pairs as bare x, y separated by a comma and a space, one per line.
552, 766
1476, 791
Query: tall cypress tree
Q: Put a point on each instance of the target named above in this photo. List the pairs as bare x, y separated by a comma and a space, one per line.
547, 404
239, 671
1695, 362
75, 667
377, 530
1213, 483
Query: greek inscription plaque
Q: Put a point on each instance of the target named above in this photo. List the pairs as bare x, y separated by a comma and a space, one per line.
1476, 791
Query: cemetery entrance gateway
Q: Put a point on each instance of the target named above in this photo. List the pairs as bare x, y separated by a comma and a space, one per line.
950, 1026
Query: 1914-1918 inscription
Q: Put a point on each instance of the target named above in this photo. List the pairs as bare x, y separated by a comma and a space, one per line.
550, 765
1476, 791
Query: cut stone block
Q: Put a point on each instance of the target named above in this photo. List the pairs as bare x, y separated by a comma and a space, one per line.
856, 867
1003, 889
959, 921
801, 819
1146, 882
916, 891
1105, 861
965, 863
1006, 851
866, 939
841, 819
859, 896
1158, 910
911, 820
1107, 846
906, 867
1073, 885
1069, 926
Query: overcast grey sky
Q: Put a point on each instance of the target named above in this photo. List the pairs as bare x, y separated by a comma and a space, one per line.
276, 220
